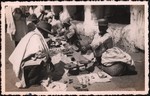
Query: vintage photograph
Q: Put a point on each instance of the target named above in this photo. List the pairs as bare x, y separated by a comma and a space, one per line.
74, 48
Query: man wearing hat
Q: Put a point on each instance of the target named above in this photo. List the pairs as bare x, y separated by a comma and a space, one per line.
31, 56
32, 20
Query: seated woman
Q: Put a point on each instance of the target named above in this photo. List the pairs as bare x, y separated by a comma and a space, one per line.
102, 42
31, 59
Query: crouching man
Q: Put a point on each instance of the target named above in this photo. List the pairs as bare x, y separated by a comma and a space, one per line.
101, 43
30, 59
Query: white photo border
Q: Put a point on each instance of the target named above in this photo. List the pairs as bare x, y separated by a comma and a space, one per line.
145, 3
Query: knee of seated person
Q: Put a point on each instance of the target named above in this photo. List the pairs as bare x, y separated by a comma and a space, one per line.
117, 69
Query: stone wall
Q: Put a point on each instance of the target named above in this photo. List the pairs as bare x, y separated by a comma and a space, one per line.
133, 34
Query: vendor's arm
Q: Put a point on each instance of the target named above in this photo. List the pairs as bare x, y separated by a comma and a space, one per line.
98, 40
104, 38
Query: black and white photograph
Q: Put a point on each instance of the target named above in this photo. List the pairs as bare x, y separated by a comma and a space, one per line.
74, 47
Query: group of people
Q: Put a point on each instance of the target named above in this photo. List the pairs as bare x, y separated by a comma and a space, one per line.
31, 58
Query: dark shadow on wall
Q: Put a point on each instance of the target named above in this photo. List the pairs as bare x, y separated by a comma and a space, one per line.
119, 14
114, 13
79, 14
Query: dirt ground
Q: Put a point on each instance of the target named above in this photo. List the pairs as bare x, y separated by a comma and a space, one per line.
122, 83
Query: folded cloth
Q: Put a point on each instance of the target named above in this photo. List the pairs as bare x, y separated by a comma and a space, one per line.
55, 86
115, 54
56, 59
89, 56
61, 57
78, 57
93, 78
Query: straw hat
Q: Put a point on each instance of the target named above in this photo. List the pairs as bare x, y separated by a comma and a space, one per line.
44, 26
102, 22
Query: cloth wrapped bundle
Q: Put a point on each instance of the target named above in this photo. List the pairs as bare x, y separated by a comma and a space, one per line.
115, 54
116, 62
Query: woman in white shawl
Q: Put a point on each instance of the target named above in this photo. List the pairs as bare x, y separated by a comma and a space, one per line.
31, 57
